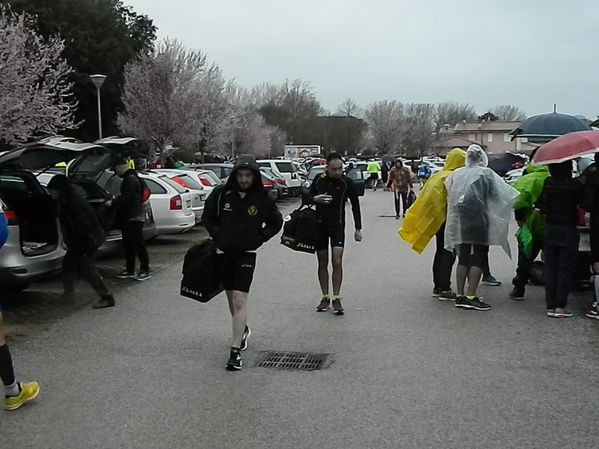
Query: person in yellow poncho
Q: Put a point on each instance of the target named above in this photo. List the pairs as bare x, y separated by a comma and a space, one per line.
426, 218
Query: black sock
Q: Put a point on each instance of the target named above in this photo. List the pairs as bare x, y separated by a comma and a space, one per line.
7, 372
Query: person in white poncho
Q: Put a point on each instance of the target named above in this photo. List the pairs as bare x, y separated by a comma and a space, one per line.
479, 206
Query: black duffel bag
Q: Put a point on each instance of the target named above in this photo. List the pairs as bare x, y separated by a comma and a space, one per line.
301, 230
201, 277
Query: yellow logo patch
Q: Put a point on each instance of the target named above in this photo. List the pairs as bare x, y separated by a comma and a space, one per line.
252, 210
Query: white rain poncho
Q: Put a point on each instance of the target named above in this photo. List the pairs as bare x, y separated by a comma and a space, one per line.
479, 204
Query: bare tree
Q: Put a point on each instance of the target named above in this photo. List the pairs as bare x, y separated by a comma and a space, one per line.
384, 119
349, 108
451, 112
170, 95
418, 128
508, 112
35, 91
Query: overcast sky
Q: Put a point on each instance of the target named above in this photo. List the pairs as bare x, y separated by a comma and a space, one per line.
530, 53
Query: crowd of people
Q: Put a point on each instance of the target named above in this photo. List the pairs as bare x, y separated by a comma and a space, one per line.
466, 207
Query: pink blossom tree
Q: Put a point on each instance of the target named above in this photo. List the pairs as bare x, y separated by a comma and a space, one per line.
35, 90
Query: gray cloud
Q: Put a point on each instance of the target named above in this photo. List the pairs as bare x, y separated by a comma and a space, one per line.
529, 53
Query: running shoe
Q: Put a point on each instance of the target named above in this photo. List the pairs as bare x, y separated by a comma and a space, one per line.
28, 392
125, 274
337, 307
324, 305
448, 295
234, 363
244, 340
517, 293
490, 280
143, 276
105, 302
560, 312
436, 292
593, 312
474, 303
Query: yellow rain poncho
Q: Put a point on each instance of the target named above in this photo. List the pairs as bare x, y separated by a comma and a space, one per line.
428, 213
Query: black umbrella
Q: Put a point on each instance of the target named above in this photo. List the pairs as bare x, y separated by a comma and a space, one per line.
548, 126
501, 163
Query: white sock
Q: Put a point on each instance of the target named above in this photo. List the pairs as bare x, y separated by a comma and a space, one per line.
12, 390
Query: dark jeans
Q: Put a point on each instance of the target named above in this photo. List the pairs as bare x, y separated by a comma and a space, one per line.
79, 261
134, 245
524, 265
561, 252
404, 200
443, 263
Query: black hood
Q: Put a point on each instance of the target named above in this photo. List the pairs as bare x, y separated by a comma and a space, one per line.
250, 164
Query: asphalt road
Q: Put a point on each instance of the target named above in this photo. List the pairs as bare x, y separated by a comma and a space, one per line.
408, 371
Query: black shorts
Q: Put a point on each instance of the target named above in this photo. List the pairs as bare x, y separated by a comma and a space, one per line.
472, 255
334, 235
237, 270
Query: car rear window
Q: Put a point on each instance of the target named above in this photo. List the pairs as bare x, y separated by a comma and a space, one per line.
285, 167
173, 184
189, 182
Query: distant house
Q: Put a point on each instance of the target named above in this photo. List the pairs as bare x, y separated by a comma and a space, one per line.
492, 136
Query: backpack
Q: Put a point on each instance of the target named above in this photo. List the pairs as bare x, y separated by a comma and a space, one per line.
145, 190
300, 230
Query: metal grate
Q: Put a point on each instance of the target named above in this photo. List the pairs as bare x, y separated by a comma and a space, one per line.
303, 361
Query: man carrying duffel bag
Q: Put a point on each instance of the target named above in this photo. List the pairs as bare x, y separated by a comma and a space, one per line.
240, 216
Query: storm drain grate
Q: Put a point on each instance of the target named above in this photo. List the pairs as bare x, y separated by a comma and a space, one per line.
303, 361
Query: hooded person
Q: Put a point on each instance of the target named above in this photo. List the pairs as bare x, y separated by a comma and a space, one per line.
240, 217
479, 208
531, 224
82, 235
426, 219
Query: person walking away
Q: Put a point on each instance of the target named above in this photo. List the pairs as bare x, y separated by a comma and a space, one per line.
15, 393
479, 205
240, 216
426, 219
373, 170
559, 202
400, 182
385, 174
531, 225
82, 235
131, 217
330, 191
590, 178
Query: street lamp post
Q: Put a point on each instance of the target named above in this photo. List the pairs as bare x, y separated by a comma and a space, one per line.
98, 80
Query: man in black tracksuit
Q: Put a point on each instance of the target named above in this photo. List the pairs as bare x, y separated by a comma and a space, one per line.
330, 191
131, 217
240, 216
83, 235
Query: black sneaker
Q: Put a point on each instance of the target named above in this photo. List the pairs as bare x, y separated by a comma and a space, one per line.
244, 340
324, 305
337, 307
234, 363
104, 303
142, 276
447, 295
125, 274
475, 303
517, 293
436, 292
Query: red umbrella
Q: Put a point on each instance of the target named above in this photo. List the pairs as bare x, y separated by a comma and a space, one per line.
567, 147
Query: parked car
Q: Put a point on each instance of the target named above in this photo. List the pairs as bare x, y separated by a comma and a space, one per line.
207, 178
288, 170
222, 171
34, 249
279, 179
199, 193
171, 203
